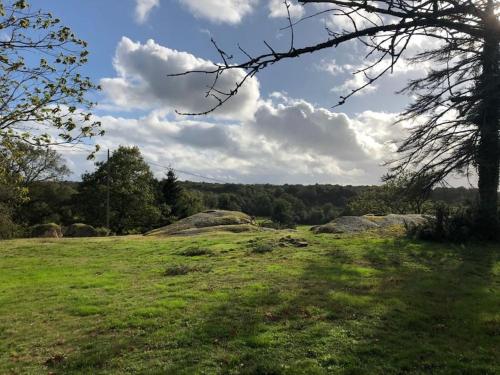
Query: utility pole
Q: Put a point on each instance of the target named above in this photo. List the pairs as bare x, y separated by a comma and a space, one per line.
107, 192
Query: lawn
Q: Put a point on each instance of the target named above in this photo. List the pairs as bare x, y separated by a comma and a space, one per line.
242, 304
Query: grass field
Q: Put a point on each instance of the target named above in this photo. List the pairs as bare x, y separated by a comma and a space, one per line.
241, 304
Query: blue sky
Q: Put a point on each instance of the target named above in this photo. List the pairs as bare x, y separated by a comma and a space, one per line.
282, 129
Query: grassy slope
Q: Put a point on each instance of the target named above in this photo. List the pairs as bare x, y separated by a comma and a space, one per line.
366, 304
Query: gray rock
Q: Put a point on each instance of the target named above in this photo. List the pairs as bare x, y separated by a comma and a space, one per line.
352, 224
208, 221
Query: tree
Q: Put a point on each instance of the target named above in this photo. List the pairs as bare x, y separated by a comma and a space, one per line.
41, 89
171, 190
33, 163
133, 205
12, 193
456, 111
48, 202
189, 203
405, 194
229, 201
283, 213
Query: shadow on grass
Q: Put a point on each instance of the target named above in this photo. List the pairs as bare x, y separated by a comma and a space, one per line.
393, 307
437, 311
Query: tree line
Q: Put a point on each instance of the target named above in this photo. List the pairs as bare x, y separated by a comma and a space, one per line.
138, 201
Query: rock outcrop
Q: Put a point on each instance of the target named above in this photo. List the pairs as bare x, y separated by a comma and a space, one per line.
209, 221
50, 230
80, 230
352, 224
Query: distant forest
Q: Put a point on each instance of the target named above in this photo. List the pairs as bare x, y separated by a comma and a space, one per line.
311, 204
61, 202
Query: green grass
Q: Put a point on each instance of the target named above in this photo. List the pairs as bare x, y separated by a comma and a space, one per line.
351, 305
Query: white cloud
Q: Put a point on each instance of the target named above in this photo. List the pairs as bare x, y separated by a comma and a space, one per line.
143, 8
356, 78
220, 11
287, 141
143, 82
300, 127
338, 21
277, 9
276, 140
355, 82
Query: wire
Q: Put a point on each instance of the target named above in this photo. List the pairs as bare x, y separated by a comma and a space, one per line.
78, 147
189, 173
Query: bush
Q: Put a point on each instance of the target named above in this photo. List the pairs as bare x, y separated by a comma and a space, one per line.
50, 230
183, 269
449, 225
103, 232
283, 213
261, 247
80, 230
195, 251
276, 225
8, 229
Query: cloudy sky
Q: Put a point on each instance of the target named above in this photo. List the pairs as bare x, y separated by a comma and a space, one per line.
281, 128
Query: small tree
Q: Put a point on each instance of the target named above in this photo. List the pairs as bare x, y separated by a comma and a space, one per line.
132, 191
171, 190
405, 194
33, 163
12, 193
41, 89
283, 213
229, 201
49, 202
189, 203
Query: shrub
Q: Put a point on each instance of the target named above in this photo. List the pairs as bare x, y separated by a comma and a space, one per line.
103, 232
276, 225
80, 230
8, 229
196, 251
283, 213
182, 269
260, 247
50, 230
448, 225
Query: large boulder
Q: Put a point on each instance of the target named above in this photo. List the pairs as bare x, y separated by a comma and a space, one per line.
346, 224
50, 230
208, 221
352, 224
80, 230
399, 220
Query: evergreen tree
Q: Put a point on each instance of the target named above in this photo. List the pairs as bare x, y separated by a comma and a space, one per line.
171, 190
171, 193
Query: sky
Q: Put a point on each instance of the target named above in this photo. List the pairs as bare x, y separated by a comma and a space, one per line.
281, 128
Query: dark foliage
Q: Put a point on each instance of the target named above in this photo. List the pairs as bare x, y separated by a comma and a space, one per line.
80, 230
133, 205
451, 224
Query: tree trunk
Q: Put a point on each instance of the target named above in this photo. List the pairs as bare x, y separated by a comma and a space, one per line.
488, 157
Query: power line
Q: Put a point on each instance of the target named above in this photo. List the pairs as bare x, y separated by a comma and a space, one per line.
78, 147
189, 173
